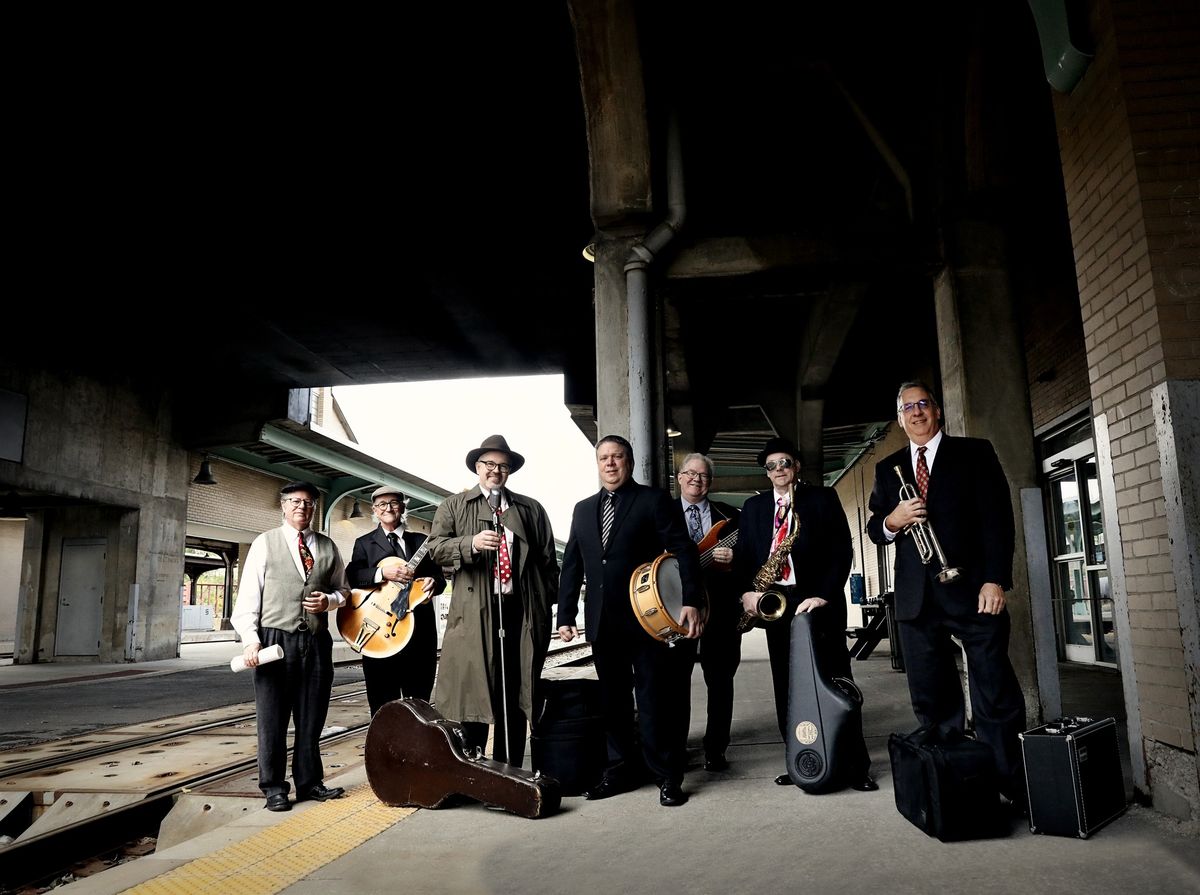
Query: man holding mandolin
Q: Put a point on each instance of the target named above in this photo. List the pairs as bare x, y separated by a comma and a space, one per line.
713, 526
385, 555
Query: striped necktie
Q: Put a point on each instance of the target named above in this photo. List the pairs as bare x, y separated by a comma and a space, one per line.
607, 517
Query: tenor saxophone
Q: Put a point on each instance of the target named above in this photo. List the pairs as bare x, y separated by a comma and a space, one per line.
771, 603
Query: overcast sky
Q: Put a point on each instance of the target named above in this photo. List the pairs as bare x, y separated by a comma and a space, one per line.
446, 419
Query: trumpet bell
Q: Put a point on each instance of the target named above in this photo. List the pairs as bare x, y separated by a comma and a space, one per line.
945, 576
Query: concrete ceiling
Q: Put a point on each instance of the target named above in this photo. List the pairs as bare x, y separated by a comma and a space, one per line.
408, 200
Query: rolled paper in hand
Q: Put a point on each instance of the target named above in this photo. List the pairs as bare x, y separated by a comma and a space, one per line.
265, 655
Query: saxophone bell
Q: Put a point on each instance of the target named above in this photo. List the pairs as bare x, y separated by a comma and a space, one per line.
770, 607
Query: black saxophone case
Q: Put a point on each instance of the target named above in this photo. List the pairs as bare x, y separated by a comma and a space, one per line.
824, 717
946, 785
1073, 776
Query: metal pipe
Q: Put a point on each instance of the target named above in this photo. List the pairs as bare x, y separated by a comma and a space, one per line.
641, 255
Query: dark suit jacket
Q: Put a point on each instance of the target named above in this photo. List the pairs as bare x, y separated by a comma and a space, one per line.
370, 548
970, 510
648, 521
821, 554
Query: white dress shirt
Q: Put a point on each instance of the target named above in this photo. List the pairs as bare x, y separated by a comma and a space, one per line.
506, 587
248, 607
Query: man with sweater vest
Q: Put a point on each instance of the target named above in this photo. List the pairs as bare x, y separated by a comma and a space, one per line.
291, 579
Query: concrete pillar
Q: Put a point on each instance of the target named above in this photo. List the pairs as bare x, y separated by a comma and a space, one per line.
984, 395
622, 344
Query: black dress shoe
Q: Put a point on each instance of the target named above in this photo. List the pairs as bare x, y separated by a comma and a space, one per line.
321, 793
671, 794
608, 786
278, 802
716, 763
784, 780
866, 784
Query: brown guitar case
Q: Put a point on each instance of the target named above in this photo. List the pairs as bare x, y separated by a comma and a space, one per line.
414, 756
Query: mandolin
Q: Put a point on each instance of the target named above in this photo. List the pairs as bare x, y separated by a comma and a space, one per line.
715, 539
378, 621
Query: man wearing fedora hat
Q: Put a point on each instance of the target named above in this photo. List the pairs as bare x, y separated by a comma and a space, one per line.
501, 547
409, 672
812, 580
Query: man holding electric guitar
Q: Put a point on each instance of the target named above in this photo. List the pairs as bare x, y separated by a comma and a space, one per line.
713, 527
385, 555
501, 547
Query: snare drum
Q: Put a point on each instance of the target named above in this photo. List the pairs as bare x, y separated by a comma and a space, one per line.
656, 593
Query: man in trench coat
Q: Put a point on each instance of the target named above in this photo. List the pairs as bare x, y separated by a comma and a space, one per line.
509, 575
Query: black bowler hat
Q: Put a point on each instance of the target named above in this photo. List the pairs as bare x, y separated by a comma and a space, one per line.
495, 443
777, 445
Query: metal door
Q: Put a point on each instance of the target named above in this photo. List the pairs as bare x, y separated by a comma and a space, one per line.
80, 597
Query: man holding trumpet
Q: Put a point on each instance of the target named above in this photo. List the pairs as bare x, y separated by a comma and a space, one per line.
952, 583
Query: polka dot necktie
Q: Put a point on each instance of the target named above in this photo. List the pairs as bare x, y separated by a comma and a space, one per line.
922, 472
305, 557
505, 562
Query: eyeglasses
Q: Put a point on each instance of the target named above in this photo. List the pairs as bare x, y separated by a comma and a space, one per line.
388, 505
772, 465
692, 476
491, 465
299, 502
924, 404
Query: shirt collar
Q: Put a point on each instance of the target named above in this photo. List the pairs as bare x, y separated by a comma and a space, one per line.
931, 446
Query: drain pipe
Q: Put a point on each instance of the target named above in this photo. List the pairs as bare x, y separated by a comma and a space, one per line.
641, 332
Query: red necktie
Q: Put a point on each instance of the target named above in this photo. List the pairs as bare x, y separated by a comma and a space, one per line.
305, 556
505, 563
922, 473
781, 527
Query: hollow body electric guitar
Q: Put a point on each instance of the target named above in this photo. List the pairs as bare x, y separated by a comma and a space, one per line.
378, 621
722, 534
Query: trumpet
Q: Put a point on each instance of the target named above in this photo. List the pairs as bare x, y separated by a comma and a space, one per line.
771, 603
922, 534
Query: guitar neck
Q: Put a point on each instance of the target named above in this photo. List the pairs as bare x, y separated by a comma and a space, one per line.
400, 604
706, 557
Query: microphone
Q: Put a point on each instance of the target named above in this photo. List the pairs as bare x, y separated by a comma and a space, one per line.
494, 503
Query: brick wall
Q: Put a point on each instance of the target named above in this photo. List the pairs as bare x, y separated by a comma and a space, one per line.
1128, 143
242, 499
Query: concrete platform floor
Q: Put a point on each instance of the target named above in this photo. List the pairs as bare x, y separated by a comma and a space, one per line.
739, 833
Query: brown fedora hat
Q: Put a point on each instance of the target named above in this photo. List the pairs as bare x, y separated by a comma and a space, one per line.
495, 443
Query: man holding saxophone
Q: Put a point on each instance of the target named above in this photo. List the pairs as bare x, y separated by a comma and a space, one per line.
952, 583
796, 535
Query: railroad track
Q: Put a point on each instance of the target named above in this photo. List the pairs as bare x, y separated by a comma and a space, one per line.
114, 786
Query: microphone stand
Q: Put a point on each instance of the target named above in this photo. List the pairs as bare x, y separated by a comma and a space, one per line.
494, 502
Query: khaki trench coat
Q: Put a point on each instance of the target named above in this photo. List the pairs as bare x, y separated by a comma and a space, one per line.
466, 677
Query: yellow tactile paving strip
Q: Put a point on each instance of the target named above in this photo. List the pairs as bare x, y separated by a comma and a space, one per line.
273, 859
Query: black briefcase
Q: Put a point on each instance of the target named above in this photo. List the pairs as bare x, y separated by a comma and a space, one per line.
1073, 776
946, 785
567, 740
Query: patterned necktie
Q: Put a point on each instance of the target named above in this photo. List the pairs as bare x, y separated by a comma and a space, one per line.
694, 528
781, 527
922, 473
397, 547
305, 557
606, 519
505, 560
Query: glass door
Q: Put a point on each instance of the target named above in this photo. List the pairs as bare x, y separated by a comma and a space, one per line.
1083, 613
